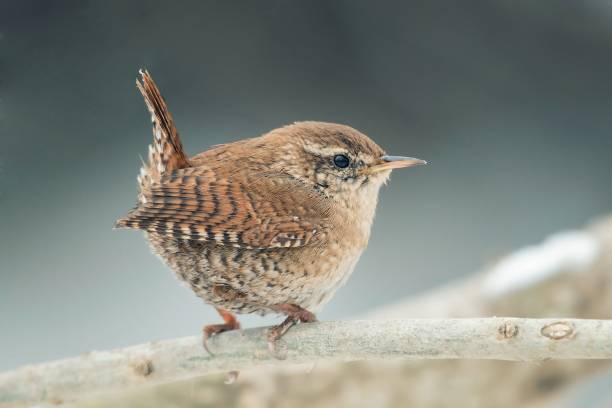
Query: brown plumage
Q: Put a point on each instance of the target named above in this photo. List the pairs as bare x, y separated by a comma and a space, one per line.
274, 223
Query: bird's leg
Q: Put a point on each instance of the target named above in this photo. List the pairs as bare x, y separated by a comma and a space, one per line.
295, 314
230, 324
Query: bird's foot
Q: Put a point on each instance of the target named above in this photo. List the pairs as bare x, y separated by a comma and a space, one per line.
277, 332
295, 314
230, 323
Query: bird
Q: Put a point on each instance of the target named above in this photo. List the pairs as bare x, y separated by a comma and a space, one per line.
273, 224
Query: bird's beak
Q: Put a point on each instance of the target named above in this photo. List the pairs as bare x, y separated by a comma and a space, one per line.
396, 162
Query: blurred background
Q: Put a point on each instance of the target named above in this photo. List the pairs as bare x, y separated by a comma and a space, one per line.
509, 100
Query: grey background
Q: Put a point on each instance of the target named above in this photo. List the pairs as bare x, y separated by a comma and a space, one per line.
511, 102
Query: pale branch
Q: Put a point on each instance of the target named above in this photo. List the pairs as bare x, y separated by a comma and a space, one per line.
417, 339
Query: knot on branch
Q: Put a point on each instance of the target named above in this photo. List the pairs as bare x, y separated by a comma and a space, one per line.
507, 331
143, 368
558, 330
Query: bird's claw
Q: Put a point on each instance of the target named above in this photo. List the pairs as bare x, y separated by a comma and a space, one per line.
276, 332
212, 330
230, 323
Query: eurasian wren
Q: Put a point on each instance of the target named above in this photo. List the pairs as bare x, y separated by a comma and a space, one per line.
272, 224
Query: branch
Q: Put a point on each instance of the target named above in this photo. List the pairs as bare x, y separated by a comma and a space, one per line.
415, 339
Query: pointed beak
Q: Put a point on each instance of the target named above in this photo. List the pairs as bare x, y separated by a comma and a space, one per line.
396, 162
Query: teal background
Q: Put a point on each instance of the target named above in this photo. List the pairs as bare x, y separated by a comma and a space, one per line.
510, 101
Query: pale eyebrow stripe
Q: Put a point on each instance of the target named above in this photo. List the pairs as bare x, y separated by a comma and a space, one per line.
324, 151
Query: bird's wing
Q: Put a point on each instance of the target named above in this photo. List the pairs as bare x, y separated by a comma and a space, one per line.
264, 210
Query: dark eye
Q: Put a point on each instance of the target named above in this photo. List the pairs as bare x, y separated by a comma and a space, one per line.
341, 161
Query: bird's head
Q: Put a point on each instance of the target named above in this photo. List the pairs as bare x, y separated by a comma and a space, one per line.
336, 160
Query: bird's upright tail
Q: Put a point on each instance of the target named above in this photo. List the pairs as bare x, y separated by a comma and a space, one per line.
166, 153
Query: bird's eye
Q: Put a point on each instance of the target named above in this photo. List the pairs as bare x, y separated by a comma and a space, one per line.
341, 161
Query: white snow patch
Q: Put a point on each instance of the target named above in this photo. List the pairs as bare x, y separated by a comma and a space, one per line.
563, 252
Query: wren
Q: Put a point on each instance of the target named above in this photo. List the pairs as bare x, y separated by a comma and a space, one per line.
271, 224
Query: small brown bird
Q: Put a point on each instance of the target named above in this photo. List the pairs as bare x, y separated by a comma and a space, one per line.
272, 224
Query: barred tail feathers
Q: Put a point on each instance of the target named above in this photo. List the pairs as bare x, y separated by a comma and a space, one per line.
166, 153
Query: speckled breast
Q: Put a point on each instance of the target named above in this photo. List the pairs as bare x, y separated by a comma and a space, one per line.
252, 280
